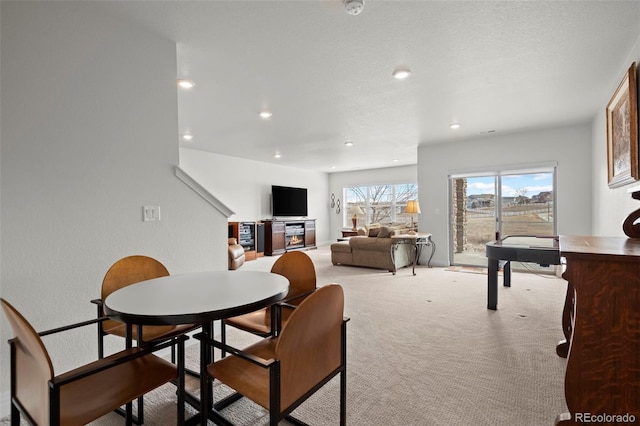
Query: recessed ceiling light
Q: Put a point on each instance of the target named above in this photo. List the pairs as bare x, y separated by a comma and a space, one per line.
454, 125
353, 7
265, 114
401, 73
349, 143
185, 83
277, 155
395, 160
333, 167
187, 136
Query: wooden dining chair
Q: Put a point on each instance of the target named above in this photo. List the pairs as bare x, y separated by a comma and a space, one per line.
281, 372
126, 271
298, 268
86, 393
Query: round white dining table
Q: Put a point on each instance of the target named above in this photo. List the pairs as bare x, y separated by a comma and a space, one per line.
196, 297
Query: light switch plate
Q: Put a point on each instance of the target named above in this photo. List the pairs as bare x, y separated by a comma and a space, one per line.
150, 213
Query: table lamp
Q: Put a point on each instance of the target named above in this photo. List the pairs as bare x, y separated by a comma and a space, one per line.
413, 207
355, 210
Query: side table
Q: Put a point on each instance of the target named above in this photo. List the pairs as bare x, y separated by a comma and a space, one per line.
418, 241
349, 233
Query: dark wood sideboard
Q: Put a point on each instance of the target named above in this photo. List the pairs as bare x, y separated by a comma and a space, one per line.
601, 324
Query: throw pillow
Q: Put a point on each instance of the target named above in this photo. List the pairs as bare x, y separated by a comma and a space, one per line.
373, 232
385, 232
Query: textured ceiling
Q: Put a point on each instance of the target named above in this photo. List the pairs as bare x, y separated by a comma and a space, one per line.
491, 66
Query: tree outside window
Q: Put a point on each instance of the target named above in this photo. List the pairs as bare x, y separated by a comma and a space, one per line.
381, 203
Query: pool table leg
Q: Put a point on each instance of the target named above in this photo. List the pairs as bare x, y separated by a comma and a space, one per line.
492, 283
506, 269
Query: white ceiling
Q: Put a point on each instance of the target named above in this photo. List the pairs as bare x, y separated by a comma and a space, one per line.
492, 66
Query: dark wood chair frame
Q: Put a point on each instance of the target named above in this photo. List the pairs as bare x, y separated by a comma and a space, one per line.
54, 385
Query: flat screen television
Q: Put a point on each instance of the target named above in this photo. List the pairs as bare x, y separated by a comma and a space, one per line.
288, 201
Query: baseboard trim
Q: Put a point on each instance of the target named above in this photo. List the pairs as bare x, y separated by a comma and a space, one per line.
5, 404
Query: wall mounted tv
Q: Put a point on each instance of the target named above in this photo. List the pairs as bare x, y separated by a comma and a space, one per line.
288, 201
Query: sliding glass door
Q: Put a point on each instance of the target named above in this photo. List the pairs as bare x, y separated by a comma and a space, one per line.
527, 204
482, 205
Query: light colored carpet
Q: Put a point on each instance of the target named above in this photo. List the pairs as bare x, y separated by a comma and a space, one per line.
424, 350
469, 269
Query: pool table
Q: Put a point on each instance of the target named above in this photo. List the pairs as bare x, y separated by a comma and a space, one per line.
542, 250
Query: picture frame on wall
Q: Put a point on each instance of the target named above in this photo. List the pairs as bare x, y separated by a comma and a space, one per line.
622, 132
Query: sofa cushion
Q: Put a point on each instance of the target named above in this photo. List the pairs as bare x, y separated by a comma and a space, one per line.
385, 232
373, 232
370, 244
342, 246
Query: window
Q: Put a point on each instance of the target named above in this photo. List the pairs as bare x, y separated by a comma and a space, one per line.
379, 203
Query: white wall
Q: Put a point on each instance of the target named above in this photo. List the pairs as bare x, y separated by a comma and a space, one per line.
338, 181
245, 186
89, 135
568, 146
610, 206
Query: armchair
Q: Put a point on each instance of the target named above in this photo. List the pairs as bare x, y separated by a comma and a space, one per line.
236, 254
86, 393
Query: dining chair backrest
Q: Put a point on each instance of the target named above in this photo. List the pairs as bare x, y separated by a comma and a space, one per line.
298, 268
310, 345
33, 367
129, 270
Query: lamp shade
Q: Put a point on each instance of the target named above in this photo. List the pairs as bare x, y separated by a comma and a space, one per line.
413, 207
355, 210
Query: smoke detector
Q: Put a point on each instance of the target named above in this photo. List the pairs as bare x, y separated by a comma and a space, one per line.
354, 7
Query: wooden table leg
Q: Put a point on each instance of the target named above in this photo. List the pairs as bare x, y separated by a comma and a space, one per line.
562, 348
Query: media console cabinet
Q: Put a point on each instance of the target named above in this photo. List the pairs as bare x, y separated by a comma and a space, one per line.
286, 235
250, 236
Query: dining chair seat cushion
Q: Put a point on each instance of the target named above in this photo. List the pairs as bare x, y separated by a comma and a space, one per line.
150, 333
143, 374
251, 379
258, 322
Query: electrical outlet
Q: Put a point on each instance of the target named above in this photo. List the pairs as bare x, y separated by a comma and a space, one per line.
150, 213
